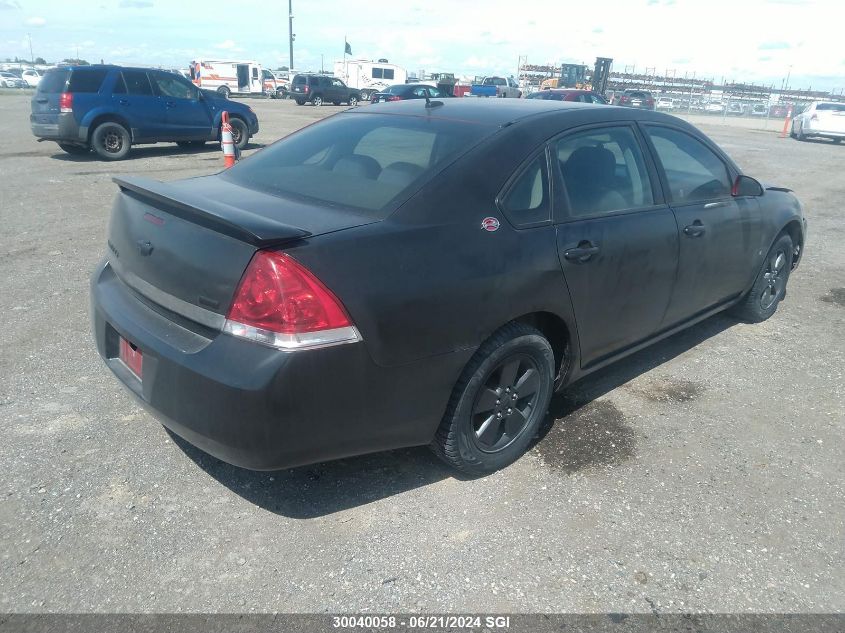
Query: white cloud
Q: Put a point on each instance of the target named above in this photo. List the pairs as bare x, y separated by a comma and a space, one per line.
228, 45
35, 21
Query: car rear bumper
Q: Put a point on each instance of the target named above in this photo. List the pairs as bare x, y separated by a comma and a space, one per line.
825, 133
56, 128
262, 408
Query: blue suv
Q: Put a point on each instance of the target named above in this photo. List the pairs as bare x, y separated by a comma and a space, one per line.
110, 108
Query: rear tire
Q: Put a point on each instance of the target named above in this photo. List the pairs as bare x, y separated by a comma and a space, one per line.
317, 101
769, 288
224, 92
75, 150
498, 403
111, 141
353, 101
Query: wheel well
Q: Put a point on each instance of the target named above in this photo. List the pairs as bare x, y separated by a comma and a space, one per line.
105, 118
557, 333
793, 229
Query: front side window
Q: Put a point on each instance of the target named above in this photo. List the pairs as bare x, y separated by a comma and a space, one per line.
419, 92
603, 171
693, 171
172, 86
527, 202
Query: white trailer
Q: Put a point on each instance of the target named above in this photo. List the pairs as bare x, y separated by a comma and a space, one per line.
228, 77
368, 76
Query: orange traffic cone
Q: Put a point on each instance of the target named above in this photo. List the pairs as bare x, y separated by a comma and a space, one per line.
226, 141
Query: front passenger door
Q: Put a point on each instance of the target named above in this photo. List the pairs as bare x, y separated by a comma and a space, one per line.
718, 233
187, 116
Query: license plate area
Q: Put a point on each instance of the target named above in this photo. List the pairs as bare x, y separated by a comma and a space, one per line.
131, 356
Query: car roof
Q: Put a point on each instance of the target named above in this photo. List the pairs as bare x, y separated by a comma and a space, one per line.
500, 112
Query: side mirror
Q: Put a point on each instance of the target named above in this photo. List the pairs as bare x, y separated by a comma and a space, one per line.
746, 186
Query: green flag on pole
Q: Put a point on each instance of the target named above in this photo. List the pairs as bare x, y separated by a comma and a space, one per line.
348, 49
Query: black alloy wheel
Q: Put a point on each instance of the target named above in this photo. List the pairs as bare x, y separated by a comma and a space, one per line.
505, 403
769, 287
499, 401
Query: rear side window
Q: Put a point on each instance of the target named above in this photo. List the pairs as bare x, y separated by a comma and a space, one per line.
527, 202
53, 82
137, 83
604, 171
693, 171
367, 162
86, 80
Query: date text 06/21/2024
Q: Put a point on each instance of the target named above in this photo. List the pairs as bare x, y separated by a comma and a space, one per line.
420, 621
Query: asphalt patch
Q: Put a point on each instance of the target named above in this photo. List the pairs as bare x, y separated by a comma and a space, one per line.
592, 435
836, 297
669, 390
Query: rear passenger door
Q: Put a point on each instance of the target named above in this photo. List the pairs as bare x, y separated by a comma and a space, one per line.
718, 234
136, 100
617, 240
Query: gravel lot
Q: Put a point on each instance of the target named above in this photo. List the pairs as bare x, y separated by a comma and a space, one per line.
703, 474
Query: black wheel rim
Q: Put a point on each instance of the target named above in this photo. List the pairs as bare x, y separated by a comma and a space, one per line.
112, 140
506, 403
775, 278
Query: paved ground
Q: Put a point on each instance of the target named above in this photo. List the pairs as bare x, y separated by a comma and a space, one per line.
703, 474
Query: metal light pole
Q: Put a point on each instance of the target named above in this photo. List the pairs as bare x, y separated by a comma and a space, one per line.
31, 56
290, 32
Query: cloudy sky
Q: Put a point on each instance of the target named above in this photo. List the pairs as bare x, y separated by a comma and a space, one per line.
751, 40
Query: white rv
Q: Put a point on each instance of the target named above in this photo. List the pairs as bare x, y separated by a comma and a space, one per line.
369, 76
230, 77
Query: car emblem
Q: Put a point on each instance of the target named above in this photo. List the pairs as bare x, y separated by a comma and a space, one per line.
145, 248
490, 224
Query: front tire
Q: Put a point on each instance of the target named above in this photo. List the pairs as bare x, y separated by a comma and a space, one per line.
498, 403
240, 132
353, 101
801, 136
111, 141
769, 288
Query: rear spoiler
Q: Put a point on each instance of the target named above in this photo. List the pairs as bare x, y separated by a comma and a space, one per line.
240, 224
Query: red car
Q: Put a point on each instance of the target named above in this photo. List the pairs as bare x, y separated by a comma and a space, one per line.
568, 94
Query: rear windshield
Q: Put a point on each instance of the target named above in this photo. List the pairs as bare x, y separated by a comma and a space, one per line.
396, 90
836, 107
368, 162
86, 80
638, 95
53, 81
299, 79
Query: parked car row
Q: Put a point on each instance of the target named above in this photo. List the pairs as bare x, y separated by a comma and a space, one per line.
20, 78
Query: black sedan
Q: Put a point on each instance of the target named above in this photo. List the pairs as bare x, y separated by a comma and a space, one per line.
401, 92
411, 274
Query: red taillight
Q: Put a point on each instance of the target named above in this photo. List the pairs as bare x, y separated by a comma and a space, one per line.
281, 303
305, 88
66, 102
394, 98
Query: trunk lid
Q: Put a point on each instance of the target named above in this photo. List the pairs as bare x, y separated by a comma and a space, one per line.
831, 117
185, 245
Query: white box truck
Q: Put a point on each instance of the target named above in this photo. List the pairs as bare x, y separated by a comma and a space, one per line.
232, 77
368, 76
